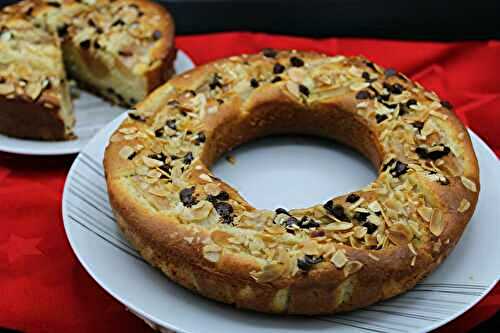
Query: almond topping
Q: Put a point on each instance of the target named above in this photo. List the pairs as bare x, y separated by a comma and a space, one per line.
339, 259
464, 205
469, 184
437, 223
352, 267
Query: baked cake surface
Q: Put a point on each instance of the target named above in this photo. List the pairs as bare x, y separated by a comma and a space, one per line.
348, 252
120, 50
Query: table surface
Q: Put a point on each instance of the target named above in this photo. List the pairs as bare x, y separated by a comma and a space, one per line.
45, 289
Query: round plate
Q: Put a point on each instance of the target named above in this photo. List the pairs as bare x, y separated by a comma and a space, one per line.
92, 114
461, 281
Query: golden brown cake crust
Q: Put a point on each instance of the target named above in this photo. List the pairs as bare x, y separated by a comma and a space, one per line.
349, 252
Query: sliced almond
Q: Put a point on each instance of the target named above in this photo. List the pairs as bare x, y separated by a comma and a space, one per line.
339, 259
437, 224
374, 257
469, 184
6, 88
293, 88
338, 226
126, 152
352, 267
34, 90
220, 237
212, 252
400, 234
464, 205
425, 213
269, 272
151, 162
205, 177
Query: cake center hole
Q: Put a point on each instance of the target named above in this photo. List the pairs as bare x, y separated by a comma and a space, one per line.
293, 171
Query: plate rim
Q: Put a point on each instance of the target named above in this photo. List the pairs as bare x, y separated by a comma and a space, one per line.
162, 323
73, 146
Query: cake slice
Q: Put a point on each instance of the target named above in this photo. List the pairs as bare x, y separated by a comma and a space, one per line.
34, 95
120, 50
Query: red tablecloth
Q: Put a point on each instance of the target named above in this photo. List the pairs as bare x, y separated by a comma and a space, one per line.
43, 288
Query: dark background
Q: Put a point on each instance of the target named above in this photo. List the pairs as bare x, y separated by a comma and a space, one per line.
397, 19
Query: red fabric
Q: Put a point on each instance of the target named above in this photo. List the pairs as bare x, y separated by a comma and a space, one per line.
43, 288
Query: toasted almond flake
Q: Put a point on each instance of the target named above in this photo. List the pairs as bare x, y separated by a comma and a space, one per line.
431, 95
461, 135
437, 223
126, 152
154, 174
198, 167
269, 272
159, 192
357, 203
116, 138
212, 252
362, 105
412, 249
189, 239
438, 115
297, 74
213, 109
310, 247
374, 206
339, 259
413, 260
220, 237
359, 85
338, 226
359, 231
212, 188
352, 267
34, 90
464, 205
128, 130
400, 234
374, 257
469, 184
205, 177
425, 213
151, 162
293, 88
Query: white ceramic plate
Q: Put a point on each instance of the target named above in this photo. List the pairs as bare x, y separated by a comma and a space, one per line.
278, 172
92, 114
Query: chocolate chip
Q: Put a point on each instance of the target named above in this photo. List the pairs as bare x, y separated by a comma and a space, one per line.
91, 23
159, 132
188, 132
136, 117
388, 164
423, 153
276, 79
308, 262
132, 101
361, 216
200, 138
371, 66
296, 62
171, 124
159, 157
166, 168
411, 102
224, 210
336, 210
303, 89
396, 89
307, 223
269, 53
399, 169
97, 46
156, 35
187, 198
318, 233
382, 98
380, 118
281, 211
62, 30
447, 105
362, 94
254, 83
223, 196
188, 158
371, 228
54, 4
366, 76
278, 68
418, 125
118, 22
291, 222
216, 82
352, 198
390, 72
131, 156
85, 44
